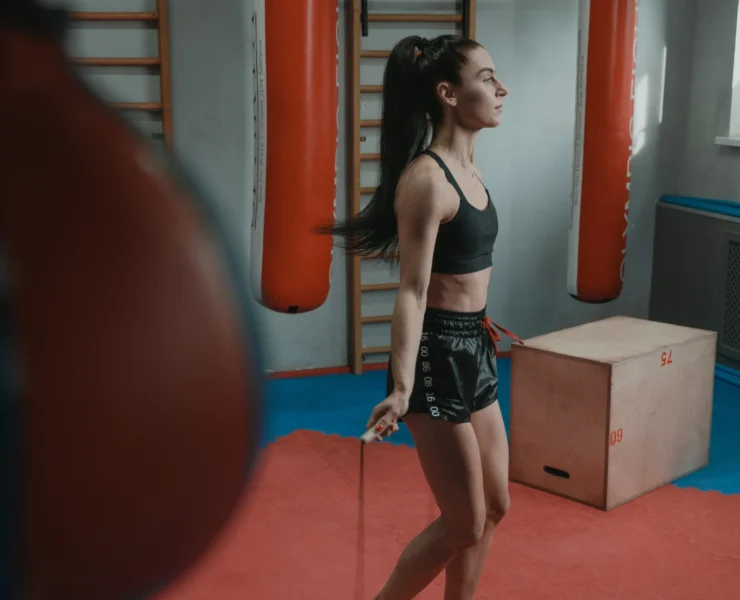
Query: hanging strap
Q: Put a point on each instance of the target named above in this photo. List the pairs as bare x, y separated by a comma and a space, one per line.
491, 326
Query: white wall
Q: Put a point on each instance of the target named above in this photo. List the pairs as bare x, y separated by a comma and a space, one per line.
528, 160
708, 170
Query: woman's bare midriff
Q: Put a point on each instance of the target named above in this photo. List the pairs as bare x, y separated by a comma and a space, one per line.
461, 293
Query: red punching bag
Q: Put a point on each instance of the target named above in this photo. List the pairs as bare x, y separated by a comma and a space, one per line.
597, 239
296, 105
130, 381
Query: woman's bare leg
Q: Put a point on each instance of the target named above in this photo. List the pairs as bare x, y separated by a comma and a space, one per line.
451, 461
463, 572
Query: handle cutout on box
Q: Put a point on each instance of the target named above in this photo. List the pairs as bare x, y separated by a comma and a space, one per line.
556, 472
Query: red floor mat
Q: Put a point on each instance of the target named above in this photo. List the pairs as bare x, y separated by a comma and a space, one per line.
297, 536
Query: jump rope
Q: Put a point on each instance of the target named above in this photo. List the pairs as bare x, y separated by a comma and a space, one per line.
365, 439
360, 558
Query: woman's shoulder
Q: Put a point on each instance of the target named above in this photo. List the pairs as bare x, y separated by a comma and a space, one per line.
424, 185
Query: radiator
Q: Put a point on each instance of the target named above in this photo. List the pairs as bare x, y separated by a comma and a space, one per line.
696, 269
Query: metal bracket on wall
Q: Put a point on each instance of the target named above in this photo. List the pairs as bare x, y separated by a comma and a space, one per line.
466, 18
363, 18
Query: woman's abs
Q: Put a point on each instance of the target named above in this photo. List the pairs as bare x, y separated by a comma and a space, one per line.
463, 293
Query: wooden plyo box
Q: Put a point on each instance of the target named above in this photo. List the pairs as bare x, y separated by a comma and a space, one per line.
607, 411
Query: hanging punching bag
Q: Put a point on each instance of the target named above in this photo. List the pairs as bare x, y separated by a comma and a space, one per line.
130, 380
296, 130
597, 239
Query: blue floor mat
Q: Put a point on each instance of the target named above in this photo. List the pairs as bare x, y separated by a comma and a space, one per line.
723, 472
341, 404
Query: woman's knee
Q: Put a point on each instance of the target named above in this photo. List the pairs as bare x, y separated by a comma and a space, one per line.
465, 531
497, 508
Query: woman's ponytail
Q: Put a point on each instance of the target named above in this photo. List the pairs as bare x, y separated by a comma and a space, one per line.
403, 135
410, 111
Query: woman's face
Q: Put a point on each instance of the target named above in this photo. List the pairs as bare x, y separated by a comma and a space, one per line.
477, 100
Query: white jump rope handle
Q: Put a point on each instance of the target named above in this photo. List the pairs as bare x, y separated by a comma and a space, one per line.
368, 436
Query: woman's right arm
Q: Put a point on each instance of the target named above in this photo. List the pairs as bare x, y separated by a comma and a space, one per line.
420, 207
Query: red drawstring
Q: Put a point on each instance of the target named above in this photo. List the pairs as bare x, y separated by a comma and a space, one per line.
495, 337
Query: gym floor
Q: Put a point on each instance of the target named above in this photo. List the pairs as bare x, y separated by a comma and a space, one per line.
307, 529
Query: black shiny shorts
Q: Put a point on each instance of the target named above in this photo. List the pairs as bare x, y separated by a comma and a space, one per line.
456, 372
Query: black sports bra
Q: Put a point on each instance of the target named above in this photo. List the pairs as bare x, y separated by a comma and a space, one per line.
464, 243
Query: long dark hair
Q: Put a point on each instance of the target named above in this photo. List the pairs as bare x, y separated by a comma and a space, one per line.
411, 111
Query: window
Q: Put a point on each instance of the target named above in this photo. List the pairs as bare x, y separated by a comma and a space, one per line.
733, 136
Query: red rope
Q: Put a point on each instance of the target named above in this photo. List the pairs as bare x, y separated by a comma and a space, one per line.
491, 326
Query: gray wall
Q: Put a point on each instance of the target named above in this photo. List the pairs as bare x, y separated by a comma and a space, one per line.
708, 170
212, 108
526, 162
209, 93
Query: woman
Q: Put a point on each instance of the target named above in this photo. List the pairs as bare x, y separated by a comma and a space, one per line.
432, 207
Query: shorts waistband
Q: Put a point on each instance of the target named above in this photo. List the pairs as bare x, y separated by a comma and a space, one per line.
464, 324
455, 322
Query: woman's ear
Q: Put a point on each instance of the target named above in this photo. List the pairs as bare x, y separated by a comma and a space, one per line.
446, 93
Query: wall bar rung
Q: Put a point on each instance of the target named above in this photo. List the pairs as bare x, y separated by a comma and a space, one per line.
115, 16
377, 350
138, 106
377, 320
379, 287
375, 54
379, 53
371, 89
415, 18
117, 62
368, 157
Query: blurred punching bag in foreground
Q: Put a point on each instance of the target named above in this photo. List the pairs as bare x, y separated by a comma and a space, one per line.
129, 383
